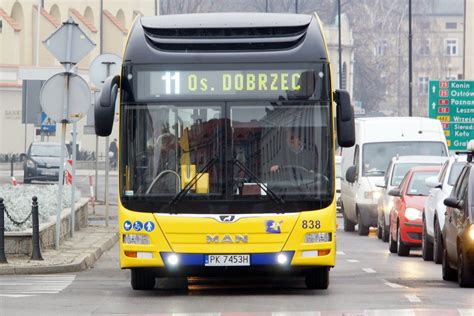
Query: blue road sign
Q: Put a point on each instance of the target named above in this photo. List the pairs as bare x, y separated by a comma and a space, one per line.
47, 124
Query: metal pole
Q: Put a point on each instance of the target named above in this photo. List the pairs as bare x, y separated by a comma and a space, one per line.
3, 259
107, 166
38, 17
156, 7
410, 63
96, 166
73, 185
266, 5
36, 253
296, 6
339, 41
101, 26
60, 186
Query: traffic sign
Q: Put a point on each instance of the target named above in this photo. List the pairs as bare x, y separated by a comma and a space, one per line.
69, 88
47, 124
102, 67
452, 102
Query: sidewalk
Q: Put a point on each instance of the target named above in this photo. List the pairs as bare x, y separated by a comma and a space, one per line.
75, 254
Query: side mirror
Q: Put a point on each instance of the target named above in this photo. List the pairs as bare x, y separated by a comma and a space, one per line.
380, 184
23, 157
345, 119
433, 182
395, 192
104, 112
351, 174
453, 202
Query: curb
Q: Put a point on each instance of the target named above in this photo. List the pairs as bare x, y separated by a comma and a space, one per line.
86, 261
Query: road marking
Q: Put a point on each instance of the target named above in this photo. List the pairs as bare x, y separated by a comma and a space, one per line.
341, 253
395, 285
412, 298
352, 260
31, 285
369, 270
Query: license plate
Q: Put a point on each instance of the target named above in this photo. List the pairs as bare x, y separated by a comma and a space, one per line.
227, 260
49, 173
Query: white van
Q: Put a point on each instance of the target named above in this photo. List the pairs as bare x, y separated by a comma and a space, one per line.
378, 139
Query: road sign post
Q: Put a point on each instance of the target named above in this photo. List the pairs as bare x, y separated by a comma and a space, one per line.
452, 102
65, 97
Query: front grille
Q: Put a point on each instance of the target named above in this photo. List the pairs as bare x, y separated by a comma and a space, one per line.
225, 39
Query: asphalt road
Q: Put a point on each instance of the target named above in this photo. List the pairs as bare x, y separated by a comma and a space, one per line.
367, 280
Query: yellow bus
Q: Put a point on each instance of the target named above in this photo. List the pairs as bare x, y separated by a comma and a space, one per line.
227, 138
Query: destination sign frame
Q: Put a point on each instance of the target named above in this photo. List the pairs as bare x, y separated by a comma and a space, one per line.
452, 102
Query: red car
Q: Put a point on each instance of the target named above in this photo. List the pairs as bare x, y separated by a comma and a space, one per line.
406, 217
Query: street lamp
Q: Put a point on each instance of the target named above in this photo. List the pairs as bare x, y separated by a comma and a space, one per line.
339, 41
410, 63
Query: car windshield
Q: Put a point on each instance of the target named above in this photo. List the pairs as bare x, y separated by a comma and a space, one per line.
45, 151
258, 151
399, 171
376, 156
417, 185
456, 169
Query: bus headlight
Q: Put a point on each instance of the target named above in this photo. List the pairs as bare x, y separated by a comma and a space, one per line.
136, 239
282, 259
412, 214
471, 232
172, 259
312, 238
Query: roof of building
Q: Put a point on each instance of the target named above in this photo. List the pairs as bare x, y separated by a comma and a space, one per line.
13, 23
48, 16
116, 22
88, 23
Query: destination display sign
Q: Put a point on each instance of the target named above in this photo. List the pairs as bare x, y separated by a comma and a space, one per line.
234, 84
452, 102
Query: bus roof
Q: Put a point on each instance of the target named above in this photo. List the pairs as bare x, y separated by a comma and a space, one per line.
226, 38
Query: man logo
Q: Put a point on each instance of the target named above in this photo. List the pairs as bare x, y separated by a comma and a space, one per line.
227, 239
226, 218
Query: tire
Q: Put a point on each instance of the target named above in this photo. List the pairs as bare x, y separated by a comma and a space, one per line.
465, 272
348, 225
427, 246
437, 244
362, 230
379, 231
385, 230
392, 244
402, 249
449, 274
317, 279
142, 280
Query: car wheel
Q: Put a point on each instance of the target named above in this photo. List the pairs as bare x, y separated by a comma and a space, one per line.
348, 225
402, 249
363, 230
385, 230
426, 245
465, 273
317, 279
449, 274
437, 244
142, 280
392, 244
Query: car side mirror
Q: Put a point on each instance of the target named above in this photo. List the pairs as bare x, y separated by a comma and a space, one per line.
380, 184
23, 157
453, 202
344, 119
104, 111
432, 182
395, 192
351, 174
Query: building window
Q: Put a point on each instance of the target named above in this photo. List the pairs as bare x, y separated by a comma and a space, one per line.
423, 85
451, 25
381, 48
451, 77
451, 46
424, 47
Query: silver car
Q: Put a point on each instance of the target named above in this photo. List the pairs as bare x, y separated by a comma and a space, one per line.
433, 217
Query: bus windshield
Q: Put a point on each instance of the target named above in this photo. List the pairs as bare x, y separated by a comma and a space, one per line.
272, 154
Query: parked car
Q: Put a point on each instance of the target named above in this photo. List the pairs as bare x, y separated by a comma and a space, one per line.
433, 214
41, 162
378, 139
406, 215
458, 231
396, 170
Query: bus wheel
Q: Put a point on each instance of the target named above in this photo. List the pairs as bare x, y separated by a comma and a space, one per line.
317, 279
142, 279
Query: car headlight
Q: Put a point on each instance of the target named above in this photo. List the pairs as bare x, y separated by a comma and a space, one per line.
30, 164
317, 237
471, 232
412, 214
136, 239
372, 195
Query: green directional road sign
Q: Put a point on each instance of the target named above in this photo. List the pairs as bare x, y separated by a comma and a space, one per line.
452, 102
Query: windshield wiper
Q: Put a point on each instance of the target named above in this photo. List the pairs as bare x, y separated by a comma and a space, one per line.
275, 197
180, 195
